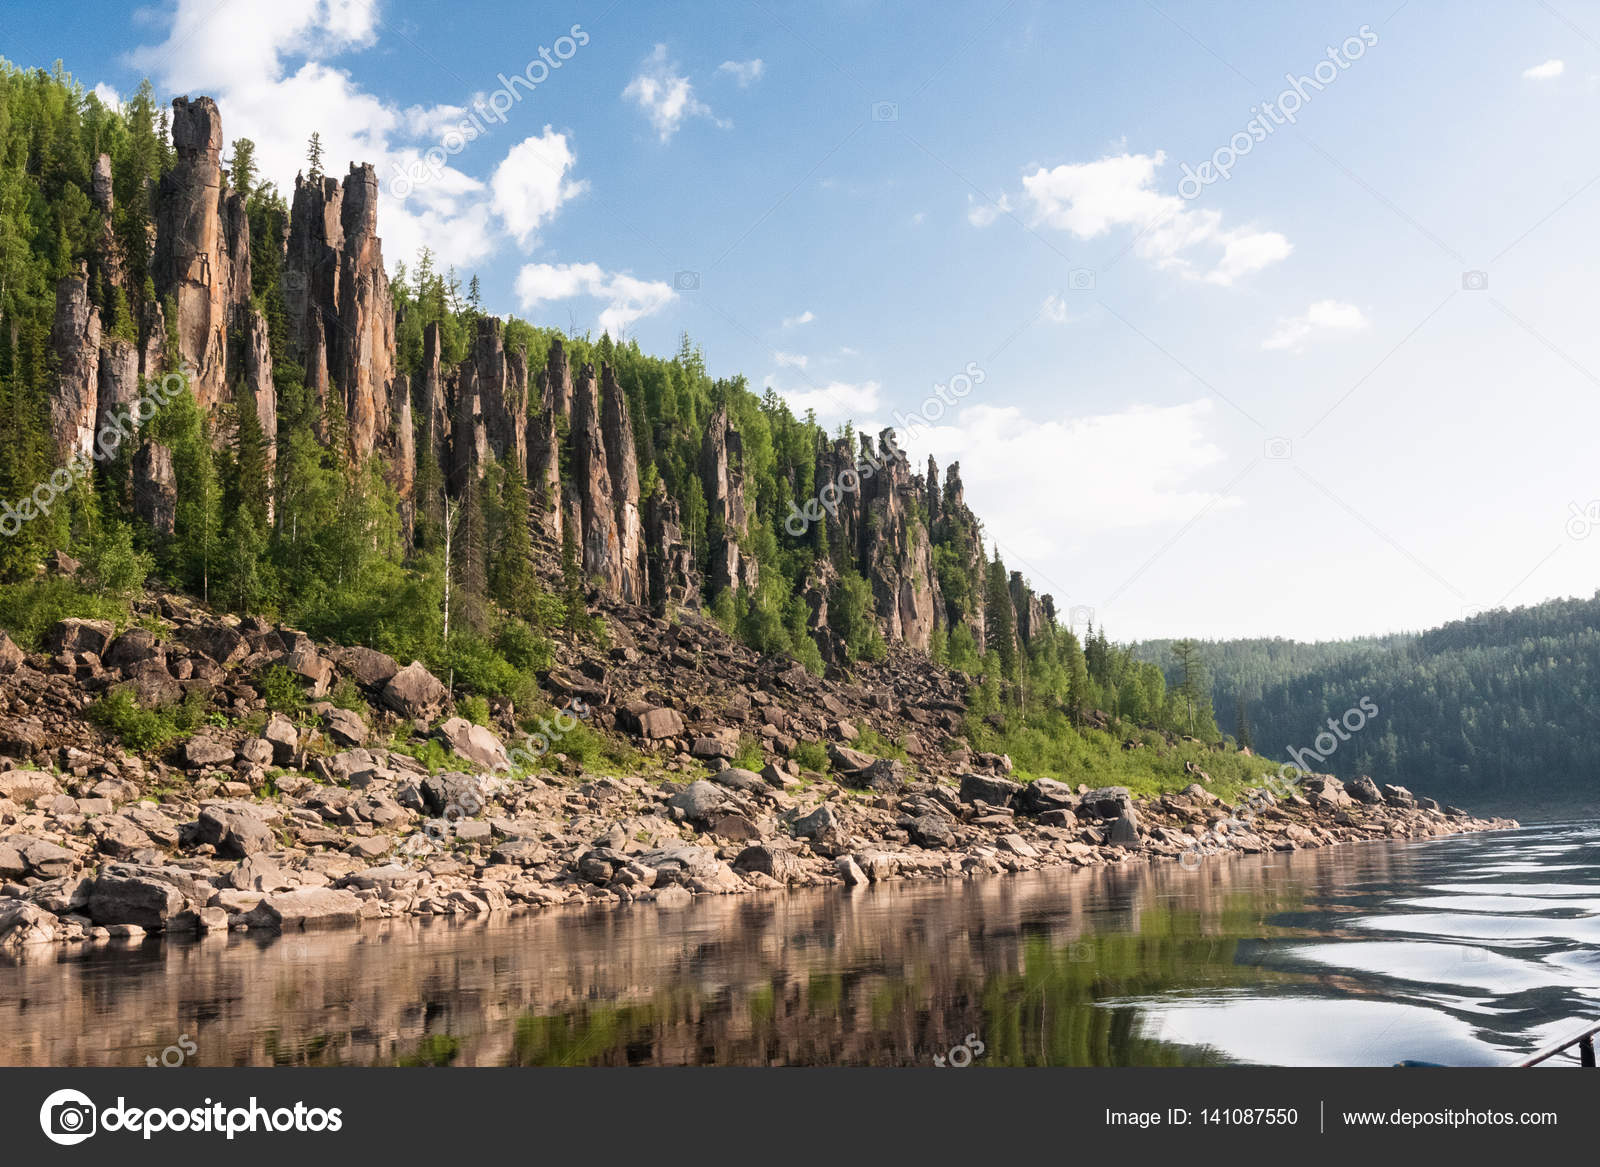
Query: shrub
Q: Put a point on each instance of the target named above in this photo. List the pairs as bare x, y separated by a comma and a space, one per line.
281, 688
811, 756
475, 709
146, 730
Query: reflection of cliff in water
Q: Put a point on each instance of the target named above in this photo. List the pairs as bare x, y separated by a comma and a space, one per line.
890, 975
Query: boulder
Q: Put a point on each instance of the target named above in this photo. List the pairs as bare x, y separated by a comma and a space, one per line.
932, 831
204, 750
118, 836
415, 692
74, 635
784, 866
345, 727
304, 909
651, 722
133, 646
820, 825
716, 743
218, 642
475, 743
699, 800
1045, 794
1400, 797
983, 788
367, 665
283, 737
1365, 790
10, 655
26, 786
1108, 802
1125, 831
135, 897
236, 830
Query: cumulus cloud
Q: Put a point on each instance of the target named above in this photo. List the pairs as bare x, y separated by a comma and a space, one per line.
1547, 71
267, 67
1055, 308
108, 96
627, 297
745, 73
981, 213
791, 360
1130, 469
837, 401
1091, 199
1291, 332
805, 317
666, 96
531, 183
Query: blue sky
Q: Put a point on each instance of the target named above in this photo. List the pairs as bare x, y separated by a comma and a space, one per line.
1279, 407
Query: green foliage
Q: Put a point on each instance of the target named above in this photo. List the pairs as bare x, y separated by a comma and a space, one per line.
282, 689
750, 756
146, 730
475, 709
852, 617
811, 756
28, 609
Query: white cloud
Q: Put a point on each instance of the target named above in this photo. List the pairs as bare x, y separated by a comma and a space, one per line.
1055, 308
108, 96
531, 183
1545, 72
1123, 470
790, 360
666, 96
1090, 199
837, 401
627, 297
981, 214
805, 317
1321, 316
919, 218
746, 73
265, 64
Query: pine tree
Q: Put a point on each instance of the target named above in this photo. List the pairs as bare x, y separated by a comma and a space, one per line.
314, 157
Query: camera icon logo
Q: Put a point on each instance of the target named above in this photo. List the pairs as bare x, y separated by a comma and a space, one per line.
294, 281
885, 111
1278, 449
68, 1117
1474, 281
1079, 614
1081, 279
686, 281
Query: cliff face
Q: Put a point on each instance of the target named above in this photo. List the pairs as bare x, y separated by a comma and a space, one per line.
574, 439
202, 258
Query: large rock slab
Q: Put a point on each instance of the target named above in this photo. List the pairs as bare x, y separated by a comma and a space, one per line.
475, 743
415, 692
305, 909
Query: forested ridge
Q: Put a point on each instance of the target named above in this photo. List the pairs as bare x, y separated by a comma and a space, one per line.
1502, 703
363, 452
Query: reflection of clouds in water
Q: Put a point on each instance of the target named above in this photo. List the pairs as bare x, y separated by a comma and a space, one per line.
1431, 964
1502, 905
1306, 1031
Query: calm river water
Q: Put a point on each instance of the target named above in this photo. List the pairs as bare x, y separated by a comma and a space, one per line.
1466, 951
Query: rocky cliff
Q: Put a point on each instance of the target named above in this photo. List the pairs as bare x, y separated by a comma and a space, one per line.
572, 435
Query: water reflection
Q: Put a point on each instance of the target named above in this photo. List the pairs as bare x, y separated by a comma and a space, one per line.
1461, 951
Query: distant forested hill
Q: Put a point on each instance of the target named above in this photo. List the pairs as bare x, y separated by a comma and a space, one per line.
1504, 703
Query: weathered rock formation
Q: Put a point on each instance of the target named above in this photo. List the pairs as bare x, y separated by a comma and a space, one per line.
75, 338
601, 543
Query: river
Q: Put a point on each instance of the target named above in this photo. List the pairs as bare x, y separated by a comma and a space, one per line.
1468, 950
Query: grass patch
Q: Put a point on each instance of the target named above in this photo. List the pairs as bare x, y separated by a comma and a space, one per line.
811, 756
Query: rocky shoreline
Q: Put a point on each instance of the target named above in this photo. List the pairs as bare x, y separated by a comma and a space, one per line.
260, 820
